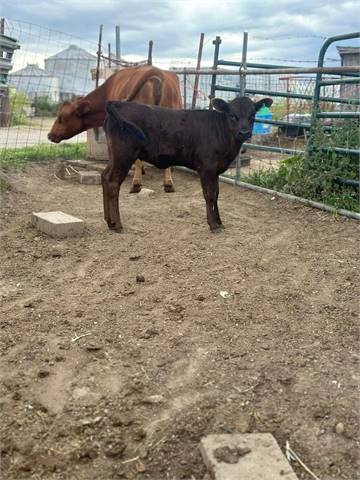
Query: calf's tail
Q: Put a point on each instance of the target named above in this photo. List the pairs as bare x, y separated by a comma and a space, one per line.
121, 126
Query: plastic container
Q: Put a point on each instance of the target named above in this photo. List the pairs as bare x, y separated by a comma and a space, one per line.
262, 128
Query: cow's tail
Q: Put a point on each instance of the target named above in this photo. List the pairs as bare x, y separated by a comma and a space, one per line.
121, 126
154, 77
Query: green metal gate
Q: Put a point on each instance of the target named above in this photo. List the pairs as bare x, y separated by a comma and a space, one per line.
246, 68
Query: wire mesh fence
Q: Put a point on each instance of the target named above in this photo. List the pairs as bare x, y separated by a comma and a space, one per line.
51, 67
48, 68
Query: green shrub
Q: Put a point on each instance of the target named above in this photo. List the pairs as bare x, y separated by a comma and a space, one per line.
17, 104
313, 176
44, 107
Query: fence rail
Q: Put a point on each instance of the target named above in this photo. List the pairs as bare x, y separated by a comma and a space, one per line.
270, 71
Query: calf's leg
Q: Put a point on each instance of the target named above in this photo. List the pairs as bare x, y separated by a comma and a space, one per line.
112, 178
210, 187
105, 188
168, 181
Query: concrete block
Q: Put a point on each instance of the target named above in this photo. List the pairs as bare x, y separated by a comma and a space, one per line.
250, 456
58, 224
146, 192
90, 177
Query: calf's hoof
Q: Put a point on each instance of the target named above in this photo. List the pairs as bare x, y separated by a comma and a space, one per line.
135, 188
115, 228
217, 228
169, 188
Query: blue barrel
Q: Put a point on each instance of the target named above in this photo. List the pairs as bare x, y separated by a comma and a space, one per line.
262, 128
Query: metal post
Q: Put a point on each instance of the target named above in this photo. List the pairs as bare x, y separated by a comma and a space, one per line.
287, 100
243, 65
196, 83
109, 53
98, 57
96, 130
184, 90
149, 60
117, 42
2, 25
242, 94
217, 43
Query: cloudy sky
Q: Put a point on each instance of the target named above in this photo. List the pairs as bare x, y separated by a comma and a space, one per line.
283, 31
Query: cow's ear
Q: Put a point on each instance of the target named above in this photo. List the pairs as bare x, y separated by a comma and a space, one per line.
264, 101
220, 105
82, 109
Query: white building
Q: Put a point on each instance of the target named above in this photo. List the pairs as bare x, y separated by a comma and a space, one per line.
35, 83
72, 67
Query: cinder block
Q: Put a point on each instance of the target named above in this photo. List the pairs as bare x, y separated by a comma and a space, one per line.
146, 192
90, 178
251, 456
58, 224
98, 167
79, 163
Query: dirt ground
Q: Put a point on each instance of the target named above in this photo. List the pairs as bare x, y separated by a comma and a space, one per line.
103, 376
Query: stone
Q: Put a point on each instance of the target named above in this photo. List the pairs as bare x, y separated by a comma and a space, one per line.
58, 224
254, 456
90, 177
114, 447
146, 192
339, 428
154, 399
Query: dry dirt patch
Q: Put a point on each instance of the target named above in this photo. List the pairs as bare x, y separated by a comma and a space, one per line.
169, 360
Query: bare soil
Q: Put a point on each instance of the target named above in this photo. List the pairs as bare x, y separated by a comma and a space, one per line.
103, 376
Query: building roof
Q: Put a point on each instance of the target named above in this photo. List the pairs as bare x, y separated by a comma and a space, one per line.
8, 42
348, 50
32, 70
73, 52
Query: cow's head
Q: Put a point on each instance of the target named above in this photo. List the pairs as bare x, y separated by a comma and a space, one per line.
241, 113
70, 120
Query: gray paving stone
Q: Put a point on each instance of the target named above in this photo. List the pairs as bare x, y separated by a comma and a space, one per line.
58, 224
248, 456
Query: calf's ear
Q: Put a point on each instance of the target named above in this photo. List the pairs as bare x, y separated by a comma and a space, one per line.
220, 105
264, 101
82, 109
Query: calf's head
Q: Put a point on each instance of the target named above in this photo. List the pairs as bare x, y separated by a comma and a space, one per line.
241, 113
70, 120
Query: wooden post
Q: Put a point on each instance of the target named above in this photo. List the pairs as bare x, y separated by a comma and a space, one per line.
196, 83
149, 61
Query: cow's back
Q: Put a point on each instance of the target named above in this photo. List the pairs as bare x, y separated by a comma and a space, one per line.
145, 84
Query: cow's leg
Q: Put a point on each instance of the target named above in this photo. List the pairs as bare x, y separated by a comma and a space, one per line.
210, 186
112, 178
137, 179
168, 181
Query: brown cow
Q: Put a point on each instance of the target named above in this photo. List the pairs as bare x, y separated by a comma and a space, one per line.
146, 84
